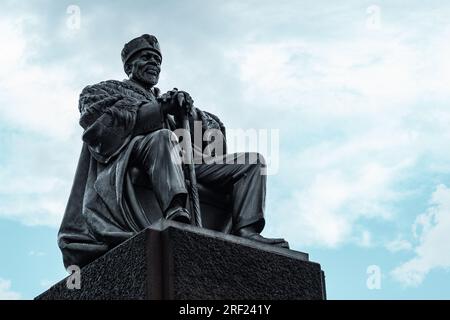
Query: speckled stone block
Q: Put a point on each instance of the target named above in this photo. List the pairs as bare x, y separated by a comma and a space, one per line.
177, 261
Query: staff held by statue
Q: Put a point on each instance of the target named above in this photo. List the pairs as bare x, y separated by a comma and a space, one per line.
189, 161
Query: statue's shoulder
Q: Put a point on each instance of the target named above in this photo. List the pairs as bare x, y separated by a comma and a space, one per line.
106, 85
101, 94
115, 87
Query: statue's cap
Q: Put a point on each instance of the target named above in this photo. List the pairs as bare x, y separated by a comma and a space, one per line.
145, 41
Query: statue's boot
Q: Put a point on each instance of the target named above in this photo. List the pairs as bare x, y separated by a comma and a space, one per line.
177, 211
249, 233
178, 214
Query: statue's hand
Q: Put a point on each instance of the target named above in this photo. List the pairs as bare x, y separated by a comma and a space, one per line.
176, 102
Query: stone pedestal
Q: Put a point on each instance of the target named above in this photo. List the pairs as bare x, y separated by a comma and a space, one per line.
176, 261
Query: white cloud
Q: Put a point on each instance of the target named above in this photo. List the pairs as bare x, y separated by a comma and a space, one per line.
38, 175
34, 97
326, 211
360, 113
334, 78
38, 112
34, 253
5, 291
44, 209
365, 239
399, 244
338, 185
432, 230
16, 45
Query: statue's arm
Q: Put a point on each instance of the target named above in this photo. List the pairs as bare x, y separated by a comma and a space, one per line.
149, 118
110, 119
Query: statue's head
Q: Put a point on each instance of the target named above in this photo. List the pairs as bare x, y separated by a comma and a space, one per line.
141, 59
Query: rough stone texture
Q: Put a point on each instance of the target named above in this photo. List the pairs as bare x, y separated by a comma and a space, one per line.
178, 261
119, 274
225, 270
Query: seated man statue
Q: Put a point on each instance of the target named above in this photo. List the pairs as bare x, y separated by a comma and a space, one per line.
129, 123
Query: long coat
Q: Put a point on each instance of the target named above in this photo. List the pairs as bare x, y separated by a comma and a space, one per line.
96, 218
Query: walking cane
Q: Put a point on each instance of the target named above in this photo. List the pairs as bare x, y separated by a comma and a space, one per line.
193, 191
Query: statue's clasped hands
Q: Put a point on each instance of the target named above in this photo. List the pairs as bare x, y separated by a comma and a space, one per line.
176, 102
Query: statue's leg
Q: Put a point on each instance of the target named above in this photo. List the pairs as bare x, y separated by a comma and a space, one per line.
245, 174
159, 154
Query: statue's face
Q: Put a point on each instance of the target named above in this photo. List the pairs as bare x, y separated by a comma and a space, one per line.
145, 67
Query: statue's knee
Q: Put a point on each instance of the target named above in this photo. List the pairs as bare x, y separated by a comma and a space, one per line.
165, 135
156, 138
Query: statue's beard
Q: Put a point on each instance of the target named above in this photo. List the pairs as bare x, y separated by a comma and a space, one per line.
146, 73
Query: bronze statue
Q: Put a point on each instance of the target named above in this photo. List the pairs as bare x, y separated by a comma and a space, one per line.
130, 172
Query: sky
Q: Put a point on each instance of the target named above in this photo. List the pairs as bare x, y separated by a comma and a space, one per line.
352, 94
